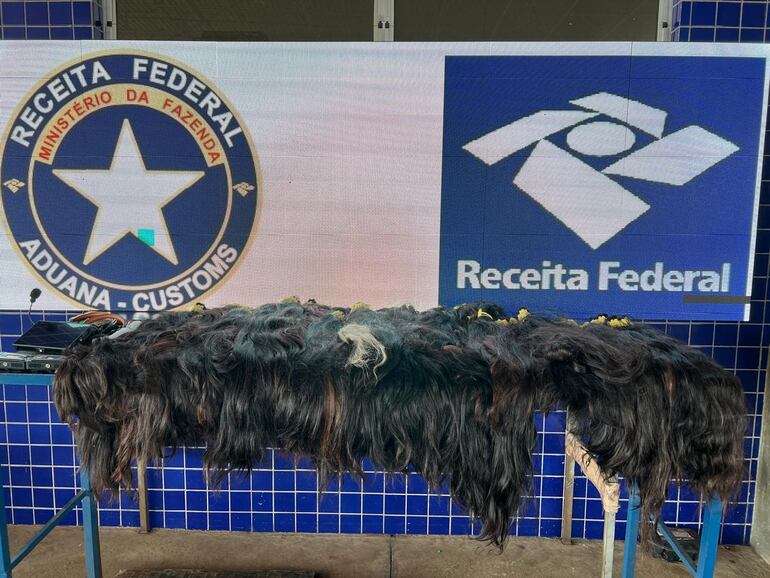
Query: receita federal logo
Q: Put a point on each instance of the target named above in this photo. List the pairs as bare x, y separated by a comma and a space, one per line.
129, 182
583, 183
588, 201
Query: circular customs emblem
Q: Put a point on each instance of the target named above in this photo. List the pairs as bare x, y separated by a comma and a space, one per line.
129, 183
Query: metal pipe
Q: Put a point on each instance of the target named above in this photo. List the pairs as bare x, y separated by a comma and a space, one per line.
632, 533
45, 530
567, 494
709, 540
608, 544
688, 562
144, 513
90, 528
5, 570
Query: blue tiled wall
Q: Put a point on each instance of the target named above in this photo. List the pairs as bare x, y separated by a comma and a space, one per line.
51, 20
722, 21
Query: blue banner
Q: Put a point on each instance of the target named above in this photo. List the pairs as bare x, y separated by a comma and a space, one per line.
577, 185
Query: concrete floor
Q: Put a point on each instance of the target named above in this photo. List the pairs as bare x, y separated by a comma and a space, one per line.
344, 556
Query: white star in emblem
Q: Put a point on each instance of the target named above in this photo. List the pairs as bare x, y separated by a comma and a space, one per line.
129, 198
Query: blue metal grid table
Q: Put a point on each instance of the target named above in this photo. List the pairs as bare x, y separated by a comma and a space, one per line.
85, 497
709, 540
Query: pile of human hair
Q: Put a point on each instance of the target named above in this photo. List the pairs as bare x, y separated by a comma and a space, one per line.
449, 392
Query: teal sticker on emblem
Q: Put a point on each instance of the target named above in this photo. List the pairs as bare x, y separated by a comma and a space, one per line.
147, 236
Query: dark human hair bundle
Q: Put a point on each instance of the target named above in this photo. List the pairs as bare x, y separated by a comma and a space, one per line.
451, 393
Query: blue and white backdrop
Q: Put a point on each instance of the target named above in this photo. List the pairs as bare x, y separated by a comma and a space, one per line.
571, 179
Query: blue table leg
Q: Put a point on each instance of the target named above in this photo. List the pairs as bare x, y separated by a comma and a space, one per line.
90, 529
5, 569
632, 533
709, 541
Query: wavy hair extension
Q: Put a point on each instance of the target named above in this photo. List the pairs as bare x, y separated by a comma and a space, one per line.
449, 393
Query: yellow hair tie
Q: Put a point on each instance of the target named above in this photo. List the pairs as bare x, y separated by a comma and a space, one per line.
198, 308
292, 299
338, 314
599, 320
523, 312
503, 322
481, 313
359, 305
619, 322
